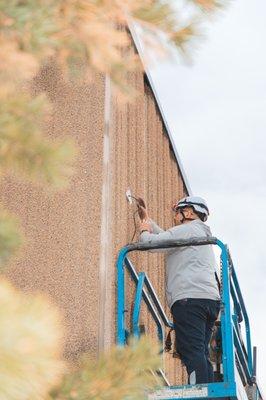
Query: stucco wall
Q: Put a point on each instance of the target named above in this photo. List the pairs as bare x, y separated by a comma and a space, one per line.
62, 250
73, 236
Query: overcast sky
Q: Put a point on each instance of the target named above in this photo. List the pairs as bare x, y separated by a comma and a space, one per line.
216, 110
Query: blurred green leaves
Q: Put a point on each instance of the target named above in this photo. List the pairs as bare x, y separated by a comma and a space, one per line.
90, 30
24, 151
30, 23
31, 339
121, 373
10, 237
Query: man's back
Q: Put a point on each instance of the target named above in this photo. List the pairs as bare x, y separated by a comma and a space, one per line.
191, 270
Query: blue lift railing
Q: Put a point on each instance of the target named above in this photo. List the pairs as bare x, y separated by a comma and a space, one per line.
237, 363
145, 290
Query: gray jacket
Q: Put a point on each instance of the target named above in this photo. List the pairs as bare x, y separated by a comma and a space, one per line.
190, 271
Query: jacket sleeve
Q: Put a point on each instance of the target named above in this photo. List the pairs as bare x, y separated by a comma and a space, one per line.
147, 237
155, 228
177, 232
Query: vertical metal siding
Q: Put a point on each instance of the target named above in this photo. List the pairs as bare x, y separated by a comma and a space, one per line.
144, 161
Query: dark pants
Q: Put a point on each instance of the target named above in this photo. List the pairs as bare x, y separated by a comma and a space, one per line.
194, 320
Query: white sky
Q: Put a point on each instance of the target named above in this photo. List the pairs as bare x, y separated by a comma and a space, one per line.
216, 110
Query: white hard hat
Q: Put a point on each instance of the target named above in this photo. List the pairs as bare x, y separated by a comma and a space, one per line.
198, 203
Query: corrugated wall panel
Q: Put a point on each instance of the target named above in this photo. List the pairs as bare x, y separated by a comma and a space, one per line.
150, 170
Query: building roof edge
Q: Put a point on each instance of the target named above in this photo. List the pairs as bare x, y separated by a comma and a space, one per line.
168, 130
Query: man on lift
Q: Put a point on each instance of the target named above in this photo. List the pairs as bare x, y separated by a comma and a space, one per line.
191, 287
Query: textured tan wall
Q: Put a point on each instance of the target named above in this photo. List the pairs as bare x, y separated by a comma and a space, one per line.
144, 162
61, 256
74, 236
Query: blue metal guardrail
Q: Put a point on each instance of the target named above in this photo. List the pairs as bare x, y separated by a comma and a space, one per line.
145, 290
236, 355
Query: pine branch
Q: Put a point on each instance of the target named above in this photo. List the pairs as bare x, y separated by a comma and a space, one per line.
23, 150
123, 373
30, 345
10, 237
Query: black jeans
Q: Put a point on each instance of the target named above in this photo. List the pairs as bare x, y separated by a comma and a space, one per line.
194, 320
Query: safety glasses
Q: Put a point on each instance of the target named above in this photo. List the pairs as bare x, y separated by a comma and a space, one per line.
175, 208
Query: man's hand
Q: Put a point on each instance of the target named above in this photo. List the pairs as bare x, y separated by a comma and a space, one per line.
143, 213
145, 225
142, 210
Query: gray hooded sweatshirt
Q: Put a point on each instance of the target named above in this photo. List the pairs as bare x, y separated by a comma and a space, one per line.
190, 271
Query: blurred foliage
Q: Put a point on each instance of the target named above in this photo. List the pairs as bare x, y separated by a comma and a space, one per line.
121, 373
210, 5
30, 345
10, 237
88, 31
23, 150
